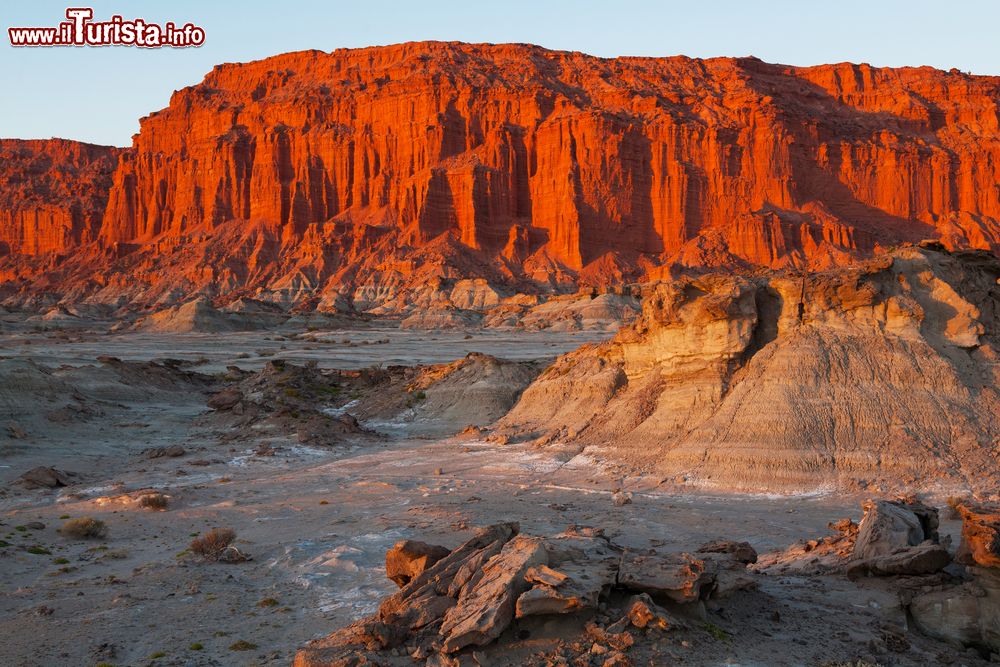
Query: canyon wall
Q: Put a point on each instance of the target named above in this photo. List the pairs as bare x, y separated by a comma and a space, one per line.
331, 173
52, 194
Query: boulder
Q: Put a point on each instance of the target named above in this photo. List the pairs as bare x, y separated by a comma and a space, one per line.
227, 399
888, 525
621, 498
409, 558
818, 556
543, 575
45, 477
679, 577
968, 615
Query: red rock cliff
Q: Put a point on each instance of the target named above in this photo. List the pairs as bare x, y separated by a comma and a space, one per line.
52, 194
555, 161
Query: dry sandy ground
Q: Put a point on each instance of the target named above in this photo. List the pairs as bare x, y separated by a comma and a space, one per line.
318, 520
342, 348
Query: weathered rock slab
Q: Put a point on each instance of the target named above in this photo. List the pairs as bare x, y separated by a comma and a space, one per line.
486, 607
921, 559
409, 558
680, 577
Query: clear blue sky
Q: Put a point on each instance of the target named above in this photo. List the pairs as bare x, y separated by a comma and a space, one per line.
98, 94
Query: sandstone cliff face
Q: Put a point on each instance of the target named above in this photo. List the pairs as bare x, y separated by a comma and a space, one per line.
331, 172
52, 194
868, 378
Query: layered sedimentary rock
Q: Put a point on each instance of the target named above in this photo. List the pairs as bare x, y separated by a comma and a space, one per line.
339, 173
52, 194
882, 376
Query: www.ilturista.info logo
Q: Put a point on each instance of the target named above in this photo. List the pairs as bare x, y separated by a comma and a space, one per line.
80, 30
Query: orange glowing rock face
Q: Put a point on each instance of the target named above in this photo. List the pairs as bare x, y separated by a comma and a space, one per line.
52, 194
311, 168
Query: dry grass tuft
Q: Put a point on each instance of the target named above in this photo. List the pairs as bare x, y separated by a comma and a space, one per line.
217, 545
84, 528
154, 501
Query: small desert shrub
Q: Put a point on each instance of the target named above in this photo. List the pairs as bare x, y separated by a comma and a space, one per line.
716, 632
217, 544
39, 550
84, 528
154, 501
268, 602
197, 646
60, 561
242, 645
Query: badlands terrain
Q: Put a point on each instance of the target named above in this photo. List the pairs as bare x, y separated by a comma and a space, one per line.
577, 456
450, 354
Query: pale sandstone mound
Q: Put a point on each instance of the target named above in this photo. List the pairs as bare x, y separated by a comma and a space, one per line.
442, 400
880, 376
442, 316
198, 316
581, 312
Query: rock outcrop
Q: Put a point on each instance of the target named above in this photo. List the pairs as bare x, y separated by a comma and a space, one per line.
895, 537
469, 599
444, 399
968, 613
960, 606
363, 175
878, 377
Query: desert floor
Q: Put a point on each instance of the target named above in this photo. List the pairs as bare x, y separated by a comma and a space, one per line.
317, 520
